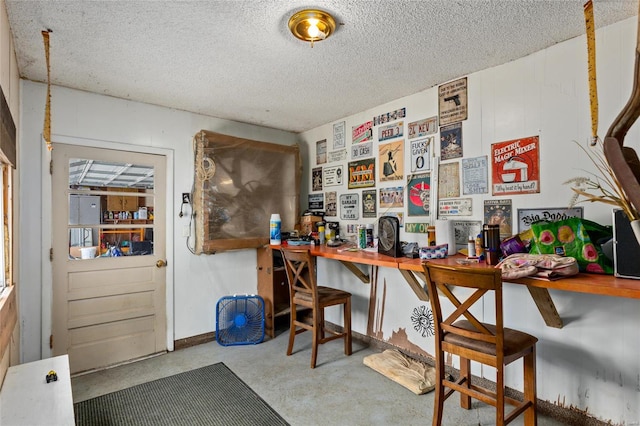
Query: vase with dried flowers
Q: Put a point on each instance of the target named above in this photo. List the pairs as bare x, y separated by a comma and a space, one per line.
603, 187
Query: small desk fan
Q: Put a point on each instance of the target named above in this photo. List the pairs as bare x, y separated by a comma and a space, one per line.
389, 236
240, 320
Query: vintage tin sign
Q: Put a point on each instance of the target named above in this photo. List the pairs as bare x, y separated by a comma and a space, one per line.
389, 116
362, 173
390, 131
452, 101
362, 133
421, 154
349, 206
361, 150
421, 128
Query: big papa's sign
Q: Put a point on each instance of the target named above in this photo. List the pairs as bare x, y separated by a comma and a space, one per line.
515, 166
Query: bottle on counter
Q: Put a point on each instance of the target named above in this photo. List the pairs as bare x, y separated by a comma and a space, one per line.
369, 231
362, 236
431, 235
274, 229
321, 232
471, 247
479, 246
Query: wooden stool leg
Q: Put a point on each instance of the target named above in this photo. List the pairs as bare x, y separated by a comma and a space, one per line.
530, 415
292, 330
465, 371
500, 395
316, 336
438, 402
347, 327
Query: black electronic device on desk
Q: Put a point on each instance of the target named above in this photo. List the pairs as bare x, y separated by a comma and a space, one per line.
389, 236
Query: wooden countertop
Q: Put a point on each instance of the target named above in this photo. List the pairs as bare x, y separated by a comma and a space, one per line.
605, 285
412, 272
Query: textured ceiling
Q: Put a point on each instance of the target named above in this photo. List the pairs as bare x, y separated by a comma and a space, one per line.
237, 60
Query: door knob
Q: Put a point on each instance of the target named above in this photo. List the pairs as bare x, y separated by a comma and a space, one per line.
161, 263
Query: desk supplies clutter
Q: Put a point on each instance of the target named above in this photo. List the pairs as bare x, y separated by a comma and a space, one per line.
547, 266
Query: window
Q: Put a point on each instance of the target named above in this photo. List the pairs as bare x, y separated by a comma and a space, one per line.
5, 248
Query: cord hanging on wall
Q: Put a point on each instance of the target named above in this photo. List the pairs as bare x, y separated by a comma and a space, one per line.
46, 131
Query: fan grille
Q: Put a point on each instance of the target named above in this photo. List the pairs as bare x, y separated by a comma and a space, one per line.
240, 320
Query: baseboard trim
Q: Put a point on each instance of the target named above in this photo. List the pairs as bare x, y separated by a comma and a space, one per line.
194, 340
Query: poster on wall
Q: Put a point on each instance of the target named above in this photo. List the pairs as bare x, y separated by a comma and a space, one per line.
362, 133
333, 176
362, 173
321, 151
391, 197
338, 135
421, 154
515, 166
349, 206
416, 228
335, 156
475, 175
449, 180
455, 207
391, 161
390, 116
451, 141
361, 150
369, 203
316, 201
465, 229
419, 197
422, 128
316, 179
452, 101
331, 203
391, 131
499, 212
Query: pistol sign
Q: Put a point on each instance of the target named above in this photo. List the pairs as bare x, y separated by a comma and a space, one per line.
452, 103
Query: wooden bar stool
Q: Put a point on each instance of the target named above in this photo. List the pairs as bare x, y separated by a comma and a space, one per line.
305, 293
472, 340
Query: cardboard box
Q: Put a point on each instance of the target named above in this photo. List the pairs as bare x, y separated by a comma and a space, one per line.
308, 224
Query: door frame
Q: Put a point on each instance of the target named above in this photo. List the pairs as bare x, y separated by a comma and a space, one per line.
47, 269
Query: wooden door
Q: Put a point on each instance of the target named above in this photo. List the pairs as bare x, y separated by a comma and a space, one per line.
107, 309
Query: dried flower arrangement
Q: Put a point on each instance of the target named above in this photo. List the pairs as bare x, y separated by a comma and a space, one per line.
602, 188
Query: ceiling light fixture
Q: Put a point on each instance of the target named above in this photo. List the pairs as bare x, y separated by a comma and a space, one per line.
312, 25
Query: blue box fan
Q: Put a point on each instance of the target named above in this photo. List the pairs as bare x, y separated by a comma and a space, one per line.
240, 320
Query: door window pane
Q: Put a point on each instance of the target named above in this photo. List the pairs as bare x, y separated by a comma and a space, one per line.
110, 209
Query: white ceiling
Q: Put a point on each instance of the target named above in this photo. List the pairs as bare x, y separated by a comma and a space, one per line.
236, 59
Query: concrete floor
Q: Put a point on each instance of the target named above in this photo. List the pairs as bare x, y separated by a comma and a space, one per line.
341, 390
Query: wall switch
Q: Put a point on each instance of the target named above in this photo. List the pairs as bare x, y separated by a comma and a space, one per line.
186, 231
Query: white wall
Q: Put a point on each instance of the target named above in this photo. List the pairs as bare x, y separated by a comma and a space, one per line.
199, 281
593, 363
